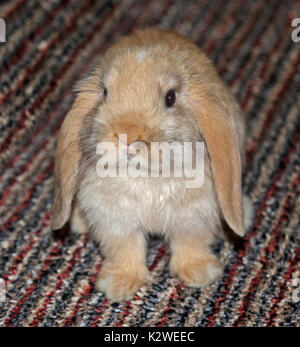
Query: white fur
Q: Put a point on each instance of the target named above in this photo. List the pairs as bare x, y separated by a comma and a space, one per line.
78, 222
141, 56
162, 205
213, 271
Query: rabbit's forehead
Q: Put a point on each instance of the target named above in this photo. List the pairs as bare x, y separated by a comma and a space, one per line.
141, 66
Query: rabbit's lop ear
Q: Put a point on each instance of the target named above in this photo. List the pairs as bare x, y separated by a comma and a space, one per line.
222, 144
68, 152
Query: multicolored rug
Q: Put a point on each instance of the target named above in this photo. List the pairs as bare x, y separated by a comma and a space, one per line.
50, 282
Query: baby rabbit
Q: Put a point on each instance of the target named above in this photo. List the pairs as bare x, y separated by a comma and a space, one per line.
153, 86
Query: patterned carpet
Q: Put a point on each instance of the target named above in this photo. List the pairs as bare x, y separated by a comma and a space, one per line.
50, 282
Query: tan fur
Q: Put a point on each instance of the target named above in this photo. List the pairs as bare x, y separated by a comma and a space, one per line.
192, 260
223, 148
137, 72
68, 153
124, 270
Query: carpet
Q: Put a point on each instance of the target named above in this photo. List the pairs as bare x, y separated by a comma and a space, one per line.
50, 281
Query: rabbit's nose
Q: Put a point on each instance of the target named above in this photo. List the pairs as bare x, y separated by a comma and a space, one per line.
131, 137
132, 149
128, 138
128, 144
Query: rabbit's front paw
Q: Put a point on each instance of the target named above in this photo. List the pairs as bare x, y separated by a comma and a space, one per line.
197, 272
121, 283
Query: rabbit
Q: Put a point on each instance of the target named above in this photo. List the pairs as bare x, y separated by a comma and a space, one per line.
154, 85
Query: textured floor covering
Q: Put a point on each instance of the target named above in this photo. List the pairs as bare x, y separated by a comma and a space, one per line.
51, 283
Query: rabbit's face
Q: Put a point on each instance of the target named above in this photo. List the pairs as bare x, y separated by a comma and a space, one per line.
144, 101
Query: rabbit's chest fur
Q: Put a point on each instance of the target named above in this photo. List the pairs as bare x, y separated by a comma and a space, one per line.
155, 205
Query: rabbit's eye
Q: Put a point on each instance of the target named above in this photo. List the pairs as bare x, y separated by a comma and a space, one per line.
105, 92
170, 98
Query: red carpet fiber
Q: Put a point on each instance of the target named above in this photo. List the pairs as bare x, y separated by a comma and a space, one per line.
50, 282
